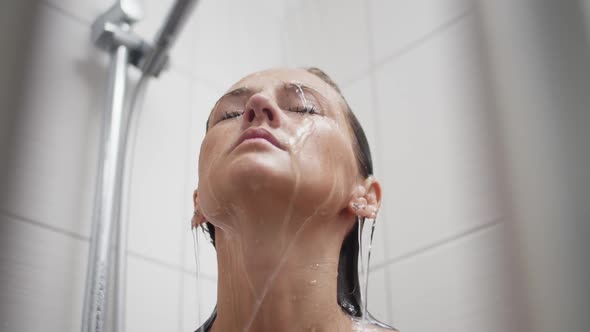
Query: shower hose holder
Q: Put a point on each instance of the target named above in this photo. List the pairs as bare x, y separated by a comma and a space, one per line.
113, 28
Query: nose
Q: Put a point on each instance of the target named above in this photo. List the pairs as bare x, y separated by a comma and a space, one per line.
260, 109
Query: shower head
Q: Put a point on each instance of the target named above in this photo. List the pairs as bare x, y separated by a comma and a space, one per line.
157, 58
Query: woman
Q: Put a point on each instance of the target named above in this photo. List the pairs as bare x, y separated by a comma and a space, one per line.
285, 173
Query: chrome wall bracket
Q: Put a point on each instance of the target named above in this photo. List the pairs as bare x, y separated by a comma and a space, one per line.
112, 29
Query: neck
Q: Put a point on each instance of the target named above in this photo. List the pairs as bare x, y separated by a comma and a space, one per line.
278, 282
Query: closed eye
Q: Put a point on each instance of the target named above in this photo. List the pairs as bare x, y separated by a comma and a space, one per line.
230, 115
309, 109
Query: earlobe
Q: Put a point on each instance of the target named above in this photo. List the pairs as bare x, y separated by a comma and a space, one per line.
357, 205
198, 217
366, 199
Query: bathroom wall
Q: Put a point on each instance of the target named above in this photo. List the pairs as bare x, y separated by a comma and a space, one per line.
411, 72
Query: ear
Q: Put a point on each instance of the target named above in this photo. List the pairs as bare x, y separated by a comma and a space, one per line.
198, 217
366, 199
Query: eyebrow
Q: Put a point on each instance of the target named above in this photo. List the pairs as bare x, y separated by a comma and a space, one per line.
302, 86
245, 90
235, 92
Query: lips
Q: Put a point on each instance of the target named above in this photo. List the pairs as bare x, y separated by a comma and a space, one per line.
253, 133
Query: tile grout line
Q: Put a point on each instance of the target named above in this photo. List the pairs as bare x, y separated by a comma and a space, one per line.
171, 266
44, 226
178, 68
73, 235
428, 248
188, 127
377, 130
409, 47
66, 12
416, 43
373, 66
180, 300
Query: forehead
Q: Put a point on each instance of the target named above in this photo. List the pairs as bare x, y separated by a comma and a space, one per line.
275, 78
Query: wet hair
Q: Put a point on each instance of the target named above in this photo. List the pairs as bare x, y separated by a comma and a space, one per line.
348, 287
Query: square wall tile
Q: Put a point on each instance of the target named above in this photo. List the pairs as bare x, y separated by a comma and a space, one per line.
328, 34
42, 278
199, 299
153, 293
460, 286
158, 168
438, 178
234, 39
378, 301
397, 25
55, 144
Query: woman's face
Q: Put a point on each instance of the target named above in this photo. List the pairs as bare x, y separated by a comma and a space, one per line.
277, 142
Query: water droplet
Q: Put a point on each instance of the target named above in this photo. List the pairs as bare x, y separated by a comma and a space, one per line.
315, 266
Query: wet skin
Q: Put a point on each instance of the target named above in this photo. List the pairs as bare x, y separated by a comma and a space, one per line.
278, 179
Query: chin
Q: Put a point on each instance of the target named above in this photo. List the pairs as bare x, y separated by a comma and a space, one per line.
261, 174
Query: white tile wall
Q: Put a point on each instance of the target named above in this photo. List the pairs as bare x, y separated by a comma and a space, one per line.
14, 16
396, 25
157, 203
439, 181
328, 34
57, 128
82, 10
458, 287
42, 277
378, 303
199, 299
235, 38
206, 255
153, 294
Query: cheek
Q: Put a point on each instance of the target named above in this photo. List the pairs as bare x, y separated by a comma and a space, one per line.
327, 159
209, 159
205, 157
214, 146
